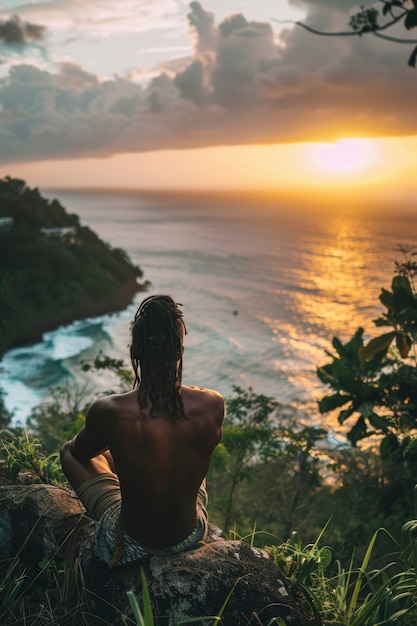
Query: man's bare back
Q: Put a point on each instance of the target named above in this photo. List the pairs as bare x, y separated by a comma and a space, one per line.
161, 464
139, 463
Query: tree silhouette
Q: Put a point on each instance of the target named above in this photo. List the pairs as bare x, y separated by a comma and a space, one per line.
368, 21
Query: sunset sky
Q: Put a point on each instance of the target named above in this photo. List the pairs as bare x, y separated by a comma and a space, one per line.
217, 95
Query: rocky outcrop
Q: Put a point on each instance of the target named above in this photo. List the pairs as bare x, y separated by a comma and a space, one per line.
45, 527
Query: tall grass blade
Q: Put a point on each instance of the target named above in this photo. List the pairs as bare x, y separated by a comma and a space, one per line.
147, 604
135, 608
362, 571
198, 620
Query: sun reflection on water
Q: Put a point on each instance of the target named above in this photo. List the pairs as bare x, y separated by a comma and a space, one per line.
338, 276
343, 286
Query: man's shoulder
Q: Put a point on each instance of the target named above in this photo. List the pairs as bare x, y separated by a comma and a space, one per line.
203, 400
202, 392
109, 405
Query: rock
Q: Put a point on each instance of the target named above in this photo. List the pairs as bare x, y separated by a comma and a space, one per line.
41, 522
41, 518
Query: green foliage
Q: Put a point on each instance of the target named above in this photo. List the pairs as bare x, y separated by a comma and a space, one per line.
124, 376
49, 592
262, 445
23, 453
61, 416
373, 382
50, 277
293, 483
351, 596
248, 433
298, 567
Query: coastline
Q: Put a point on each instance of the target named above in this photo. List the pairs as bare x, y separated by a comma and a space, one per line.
113, 303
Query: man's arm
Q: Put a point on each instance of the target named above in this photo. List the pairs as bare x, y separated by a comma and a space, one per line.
217, 408
92, 438
221, 408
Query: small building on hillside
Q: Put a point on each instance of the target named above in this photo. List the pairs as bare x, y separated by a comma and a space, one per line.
58, 232
6, 222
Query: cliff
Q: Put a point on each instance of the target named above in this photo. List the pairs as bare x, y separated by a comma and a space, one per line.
53, 270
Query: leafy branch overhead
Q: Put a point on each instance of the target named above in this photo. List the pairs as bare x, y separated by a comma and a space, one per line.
377, 381
368, 21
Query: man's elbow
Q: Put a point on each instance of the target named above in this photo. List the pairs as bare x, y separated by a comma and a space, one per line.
67, 451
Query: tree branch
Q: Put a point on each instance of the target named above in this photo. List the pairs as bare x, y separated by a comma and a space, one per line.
348, 33
393, 39
314, 31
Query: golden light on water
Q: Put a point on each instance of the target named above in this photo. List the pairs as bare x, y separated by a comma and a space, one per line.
339, 285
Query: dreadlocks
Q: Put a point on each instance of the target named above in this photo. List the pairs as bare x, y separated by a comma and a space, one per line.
156, 355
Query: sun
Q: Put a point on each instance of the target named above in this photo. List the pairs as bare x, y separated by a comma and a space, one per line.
345, 157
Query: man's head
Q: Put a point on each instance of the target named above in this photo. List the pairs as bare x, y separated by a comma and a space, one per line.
156, 354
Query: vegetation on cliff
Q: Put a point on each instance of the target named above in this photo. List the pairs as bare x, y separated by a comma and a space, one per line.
53, 270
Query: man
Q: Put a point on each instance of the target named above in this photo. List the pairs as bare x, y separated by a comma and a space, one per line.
139, 463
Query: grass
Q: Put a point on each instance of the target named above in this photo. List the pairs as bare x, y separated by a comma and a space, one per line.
351, 596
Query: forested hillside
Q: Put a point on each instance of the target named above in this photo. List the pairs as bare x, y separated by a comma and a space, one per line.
53, 270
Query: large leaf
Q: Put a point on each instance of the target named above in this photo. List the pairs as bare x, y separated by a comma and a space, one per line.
383, 321
402, 299
413, 58
389, 444
358, 432
388, 6
411, 19
337, 344
346, 378
355, 343
344, 415
351, 347
386, 299
329, 403
401, 282
403, 344
376, 345
378, 421
325, 373
410, 315
365, 409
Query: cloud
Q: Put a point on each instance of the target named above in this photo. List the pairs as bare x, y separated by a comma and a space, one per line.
203, 27
101, 18
242, 86
15, 31
18, 38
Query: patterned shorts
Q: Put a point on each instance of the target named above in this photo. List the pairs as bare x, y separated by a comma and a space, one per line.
102, 500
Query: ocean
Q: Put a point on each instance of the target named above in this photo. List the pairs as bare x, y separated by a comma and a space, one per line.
265, 285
